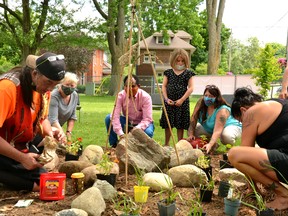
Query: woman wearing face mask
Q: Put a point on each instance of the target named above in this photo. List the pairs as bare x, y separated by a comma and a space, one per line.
212, 118
63, 104
177, 87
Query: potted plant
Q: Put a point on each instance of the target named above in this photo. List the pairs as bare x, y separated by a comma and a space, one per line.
104, 167
224, 187
167, 206
206, 190
232, 202
140, 190
260, 207
73, 149
196, 208
204, 162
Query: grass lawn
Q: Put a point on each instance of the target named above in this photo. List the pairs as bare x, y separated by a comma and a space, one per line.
93, 112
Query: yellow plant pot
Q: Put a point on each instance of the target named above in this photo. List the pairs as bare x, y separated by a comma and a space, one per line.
141, 193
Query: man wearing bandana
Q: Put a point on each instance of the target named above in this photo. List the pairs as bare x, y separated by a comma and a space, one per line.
24, 103
63, 104
212, 118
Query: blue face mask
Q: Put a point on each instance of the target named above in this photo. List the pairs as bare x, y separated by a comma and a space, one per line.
209, 101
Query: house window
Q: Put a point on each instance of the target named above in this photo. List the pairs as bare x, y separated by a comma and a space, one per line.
159, 40
146, 57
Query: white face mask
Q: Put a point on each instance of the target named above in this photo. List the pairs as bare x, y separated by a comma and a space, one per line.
180, 67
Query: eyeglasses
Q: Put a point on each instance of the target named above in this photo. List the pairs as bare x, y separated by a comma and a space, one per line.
52, 58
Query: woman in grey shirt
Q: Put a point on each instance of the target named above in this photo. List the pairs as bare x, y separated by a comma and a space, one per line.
63, 104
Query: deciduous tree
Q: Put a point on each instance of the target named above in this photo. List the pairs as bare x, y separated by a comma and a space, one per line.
214, 32
114, 27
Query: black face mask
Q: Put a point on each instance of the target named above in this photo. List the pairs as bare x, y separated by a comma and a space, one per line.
67, 90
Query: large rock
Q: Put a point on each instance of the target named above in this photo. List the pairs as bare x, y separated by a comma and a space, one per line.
92, 154
70, 167
91, 201
186, 154
187, 176
142, 152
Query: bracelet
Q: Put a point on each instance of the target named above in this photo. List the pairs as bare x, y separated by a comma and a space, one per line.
68, 132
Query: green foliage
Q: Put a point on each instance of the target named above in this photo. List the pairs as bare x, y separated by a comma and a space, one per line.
268, 71
195, 207
203, 161
260, 202
208, 185
105, 165
73, 146
125, 204
5, 65
224, 148
244, 58
139, 175
201, 69
26, 26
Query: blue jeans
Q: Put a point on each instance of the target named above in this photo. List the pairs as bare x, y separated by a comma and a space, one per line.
113, 136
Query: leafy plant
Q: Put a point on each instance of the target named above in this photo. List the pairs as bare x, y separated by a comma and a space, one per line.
203, 161
195, 208
125, 204
224, 148
260, 202
170, 192
72, 147
139, 175
208, 185
105, 165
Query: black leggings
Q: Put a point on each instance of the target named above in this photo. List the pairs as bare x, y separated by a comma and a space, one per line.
15, 176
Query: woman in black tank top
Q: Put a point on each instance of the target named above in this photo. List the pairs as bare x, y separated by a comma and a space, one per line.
264, 123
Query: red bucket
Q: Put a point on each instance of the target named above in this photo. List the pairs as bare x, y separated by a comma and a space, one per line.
52, 186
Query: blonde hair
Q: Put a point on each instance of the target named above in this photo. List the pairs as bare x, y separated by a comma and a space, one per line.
179, 53
70, 77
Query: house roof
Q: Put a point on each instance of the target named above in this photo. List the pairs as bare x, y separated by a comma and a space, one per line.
176, 42
183, 34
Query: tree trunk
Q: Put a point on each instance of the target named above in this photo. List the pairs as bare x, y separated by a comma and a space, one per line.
115, 20
214, 31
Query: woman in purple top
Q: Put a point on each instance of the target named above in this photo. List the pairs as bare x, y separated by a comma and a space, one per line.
139, 115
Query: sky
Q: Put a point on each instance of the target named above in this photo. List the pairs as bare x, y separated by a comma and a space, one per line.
265, 19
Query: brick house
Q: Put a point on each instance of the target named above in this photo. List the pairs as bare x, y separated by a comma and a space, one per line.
98, 68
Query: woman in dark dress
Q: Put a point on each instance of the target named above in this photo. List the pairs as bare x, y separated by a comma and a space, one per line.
177, 87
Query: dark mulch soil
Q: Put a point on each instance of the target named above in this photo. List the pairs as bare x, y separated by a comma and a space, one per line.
9, 198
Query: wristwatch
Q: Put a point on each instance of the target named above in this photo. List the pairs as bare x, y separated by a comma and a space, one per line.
68, 132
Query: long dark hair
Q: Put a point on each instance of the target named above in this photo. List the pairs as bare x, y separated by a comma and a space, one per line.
24, 75
244, 97
219, 101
